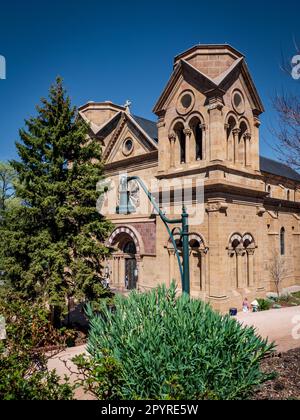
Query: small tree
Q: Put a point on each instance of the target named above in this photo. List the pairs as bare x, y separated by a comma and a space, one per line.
55, 241
288, 134
278, 271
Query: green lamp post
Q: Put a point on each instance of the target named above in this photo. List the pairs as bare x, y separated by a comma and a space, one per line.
126, 207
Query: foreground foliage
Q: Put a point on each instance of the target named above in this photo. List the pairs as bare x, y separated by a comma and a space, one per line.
158, 346
23, 364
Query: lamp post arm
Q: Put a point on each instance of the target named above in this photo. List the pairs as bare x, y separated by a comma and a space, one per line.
162, 216
152, 199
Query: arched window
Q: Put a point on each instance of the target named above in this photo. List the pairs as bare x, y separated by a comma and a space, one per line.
230, 152
242, 143
179, 130
269, 190
288, 195
282, 241
195, 126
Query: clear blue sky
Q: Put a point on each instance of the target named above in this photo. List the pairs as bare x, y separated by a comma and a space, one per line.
118, 50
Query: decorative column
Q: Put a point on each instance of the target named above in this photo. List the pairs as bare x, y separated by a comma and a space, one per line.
171, 252
240, 253
236, 133
121, 271
204, 141
216, 128
250, 257
114, 272
139, 272
228, 151
163, 149
172, 138
187, 132
216, 282
255, 144
202, 271
247, 138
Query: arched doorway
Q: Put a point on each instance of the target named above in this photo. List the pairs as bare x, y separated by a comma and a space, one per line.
126, 258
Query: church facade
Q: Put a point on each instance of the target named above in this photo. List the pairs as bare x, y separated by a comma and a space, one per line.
208, 124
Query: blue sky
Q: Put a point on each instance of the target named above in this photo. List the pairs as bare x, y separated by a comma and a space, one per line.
124, 50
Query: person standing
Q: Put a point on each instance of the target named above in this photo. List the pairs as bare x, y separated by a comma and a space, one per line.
246, 305
126, 282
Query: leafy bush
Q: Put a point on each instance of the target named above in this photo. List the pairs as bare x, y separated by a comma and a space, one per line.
296, 295
23, 365
264, 304
157, 346
23, 377
29, 325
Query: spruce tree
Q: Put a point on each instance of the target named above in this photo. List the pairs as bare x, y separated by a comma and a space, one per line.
7, 181
55, 242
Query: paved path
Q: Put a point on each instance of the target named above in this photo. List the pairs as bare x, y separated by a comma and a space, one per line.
63, 365
277, 325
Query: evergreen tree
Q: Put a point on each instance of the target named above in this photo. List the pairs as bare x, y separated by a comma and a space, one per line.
7, 181
54, 242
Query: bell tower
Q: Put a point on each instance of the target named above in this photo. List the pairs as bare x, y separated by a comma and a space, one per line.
209, 112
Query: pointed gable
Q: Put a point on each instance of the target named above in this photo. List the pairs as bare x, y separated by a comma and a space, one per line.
211, 70
113, 125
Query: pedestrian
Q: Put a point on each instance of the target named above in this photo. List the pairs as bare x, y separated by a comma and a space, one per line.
246, 305
126, 282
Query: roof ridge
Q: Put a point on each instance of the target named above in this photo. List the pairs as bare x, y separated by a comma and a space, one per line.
143, 118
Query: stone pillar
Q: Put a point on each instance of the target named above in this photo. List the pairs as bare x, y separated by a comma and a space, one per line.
236, 133
202, 272
163, 147
216, 259
250, 257
204, 142
171, 265
172, 138
139, 272
216, 129
121, 271
232, 268
226, 127
187, 132
247, 138
255, 144
240, 253
196, 271
115, 279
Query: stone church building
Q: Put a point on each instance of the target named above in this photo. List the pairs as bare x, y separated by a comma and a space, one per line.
208, 124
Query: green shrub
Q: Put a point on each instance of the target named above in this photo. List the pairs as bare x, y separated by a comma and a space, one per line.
157, 346
296, 295
264, 304
24, 377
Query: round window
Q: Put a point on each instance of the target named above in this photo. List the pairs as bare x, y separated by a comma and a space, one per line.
127, 146
238, 102
185, 102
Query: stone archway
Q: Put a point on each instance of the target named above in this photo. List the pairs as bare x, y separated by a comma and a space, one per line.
125, 262
241, 251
